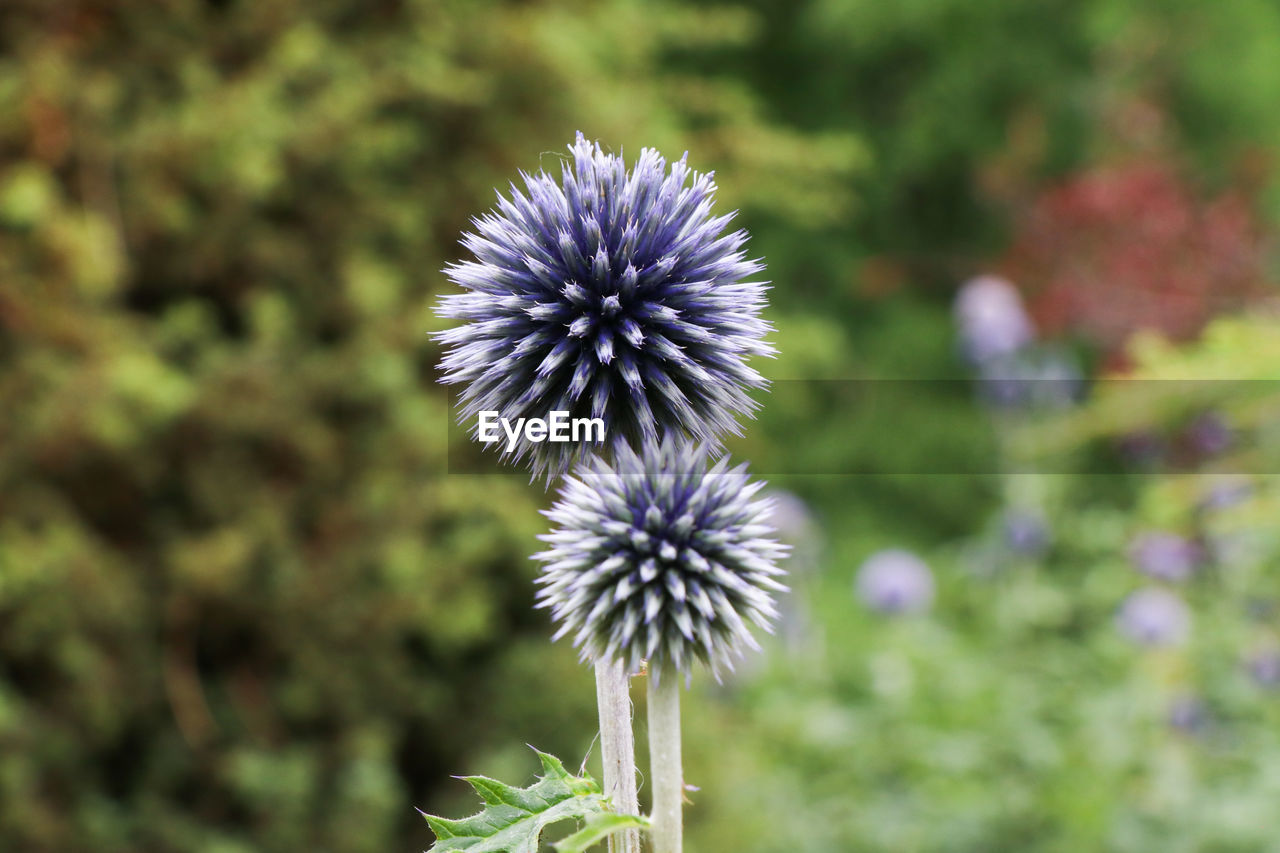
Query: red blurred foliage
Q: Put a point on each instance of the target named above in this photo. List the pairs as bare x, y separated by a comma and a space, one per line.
1112, 250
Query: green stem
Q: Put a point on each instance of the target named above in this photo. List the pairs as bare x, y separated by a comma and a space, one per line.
618, 749
665, 767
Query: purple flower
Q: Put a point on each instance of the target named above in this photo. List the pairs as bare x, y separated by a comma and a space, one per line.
1154, 617
895, 581
1188, 714
1210, 434
612, 294
796, 527
1225, 493
1165, 556
1037, 378
992, 321
660, 559
1142, 449
1025, 532
1264, 667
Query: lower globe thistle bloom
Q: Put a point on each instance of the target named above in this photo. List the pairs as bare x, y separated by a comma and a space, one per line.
895, 581
660, 559
609, 294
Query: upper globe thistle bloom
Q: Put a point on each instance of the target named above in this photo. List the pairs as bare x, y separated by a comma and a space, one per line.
895, 581
610, 294
1165, 556
658, 558
1154, 617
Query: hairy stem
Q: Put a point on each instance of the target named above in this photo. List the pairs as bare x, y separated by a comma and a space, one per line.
618, 749
665, 766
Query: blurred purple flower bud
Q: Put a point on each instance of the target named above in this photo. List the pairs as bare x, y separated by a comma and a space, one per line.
1188, 714
1154, 617
789, 515
1225, 493
1046, 379
1210, 434
1025, 532
991, 318
895, 581
796, 526
1142, 449
1264, 667
1165, 556
1058, 381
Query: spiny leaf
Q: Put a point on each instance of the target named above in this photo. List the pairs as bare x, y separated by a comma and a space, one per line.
513, 818
598, 828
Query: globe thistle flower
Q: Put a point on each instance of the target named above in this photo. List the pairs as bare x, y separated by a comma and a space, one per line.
1165, 556
658, 558
1154, 617
992, 320
610, 294
895, 581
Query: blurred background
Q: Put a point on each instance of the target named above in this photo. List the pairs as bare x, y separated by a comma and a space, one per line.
243, 607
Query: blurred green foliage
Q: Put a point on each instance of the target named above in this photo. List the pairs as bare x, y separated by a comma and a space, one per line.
243, 606
1017, 716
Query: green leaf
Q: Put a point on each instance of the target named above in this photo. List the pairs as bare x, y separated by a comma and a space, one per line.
513, 818
599, 826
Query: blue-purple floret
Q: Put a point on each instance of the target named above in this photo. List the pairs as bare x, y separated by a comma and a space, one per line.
1154, 617
1026, 532
1165, 556
658, 558
613, 294
895, 581
1264, 667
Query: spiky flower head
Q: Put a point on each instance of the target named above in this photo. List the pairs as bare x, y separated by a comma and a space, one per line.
610, 294
659, 558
